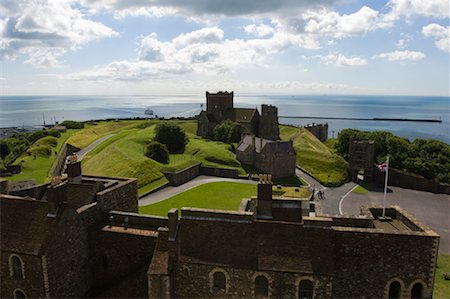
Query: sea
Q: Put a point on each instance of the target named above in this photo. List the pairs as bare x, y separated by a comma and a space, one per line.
21, 111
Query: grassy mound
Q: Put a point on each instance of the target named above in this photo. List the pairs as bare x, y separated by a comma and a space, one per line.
48, 141
315, 157
124, 155
221, 196
442, 286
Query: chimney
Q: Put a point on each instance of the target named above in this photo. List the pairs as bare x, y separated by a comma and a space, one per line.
173, 223
73, 169
56, 195
264, 201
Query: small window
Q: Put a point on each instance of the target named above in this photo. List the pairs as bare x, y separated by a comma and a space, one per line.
219, 281
417, 290
16, 267
306, 289
18, 294
394, 290
261, 287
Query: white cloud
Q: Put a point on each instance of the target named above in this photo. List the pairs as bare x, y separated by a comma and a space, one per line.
338, 59
45, 30
401, 56
440, 33
429, 8
259, 30
204, 35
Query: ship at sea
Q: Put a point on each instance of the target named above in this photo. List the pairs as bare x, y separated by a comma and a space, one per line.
149, 112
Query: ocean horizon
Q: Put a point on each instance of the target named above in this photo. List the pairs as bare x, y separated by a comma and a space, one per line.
19, 111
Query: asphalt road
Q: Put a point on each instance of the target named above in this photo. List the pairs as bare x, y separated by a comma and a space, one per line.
84, 151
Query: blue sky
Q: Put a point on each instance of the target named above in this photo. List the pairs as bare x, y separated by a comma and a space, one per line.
391, 47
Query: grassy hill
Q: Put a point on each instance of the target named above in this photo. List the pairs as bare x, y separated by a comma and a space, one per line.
315, 157
123, 155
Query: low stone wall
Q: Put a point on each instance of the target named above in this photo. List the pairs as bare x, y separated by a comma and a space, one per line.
187, 174
10, 170
183, 176
58, 165
402, 179
220, 172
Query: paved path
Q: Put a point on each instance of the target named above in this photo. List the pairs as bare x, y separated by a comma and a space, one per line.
309, 179
83, 152
171, 191
430, 208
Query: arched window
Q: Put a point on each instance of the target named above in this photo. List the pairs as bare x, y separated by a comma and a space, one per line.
305, 289
219, 281
394, 290
19, 294
417, 290
261, 287
16, 267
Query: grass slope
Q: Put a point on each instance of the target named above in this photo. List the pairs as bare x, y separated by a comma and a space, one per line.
315, 157
39, 168
220, 196
123, 155
442, 286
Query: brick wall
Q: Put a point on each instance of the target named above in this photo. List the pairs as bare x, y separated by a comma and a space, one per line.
220, 172
122, 197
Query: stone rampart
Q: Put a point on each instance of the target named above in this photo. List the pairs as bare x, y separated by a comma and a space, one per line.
122, 196
406, 180
180, 177
137, 220
220, 172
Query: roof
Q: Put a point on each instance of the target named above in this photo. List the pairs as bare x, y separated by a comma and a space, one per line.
242, 115
259, 142
26, 231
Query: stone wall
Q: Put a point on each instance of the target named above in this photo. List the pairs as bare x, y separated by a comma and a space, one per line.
10, 170
31, 284
406, 180
122, 197
379, 258
180, 177
320, 131
220, 172
195, 280
67, 258
58, 164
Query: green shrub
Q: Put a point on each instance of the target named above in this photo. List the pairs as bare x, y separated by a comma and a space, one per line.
71, 124
158, 152
4, 149
172, 135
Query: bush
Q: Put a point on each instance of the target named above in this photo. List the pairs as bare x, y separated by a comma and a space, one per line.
172, 135
4, 149
71, 124
158, 152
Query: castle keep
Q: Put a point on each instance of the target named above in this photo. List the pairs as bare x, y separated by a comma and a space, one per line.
83, 237
277, 158
220, 107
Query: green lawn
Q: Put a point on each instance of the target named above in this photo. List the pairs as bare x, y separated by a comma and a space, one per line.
315, 157
221, 196
38, 168
361, 190
442, 286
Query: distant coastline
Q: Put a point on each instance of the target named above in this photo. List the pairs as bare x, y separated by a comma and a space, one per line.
340, 111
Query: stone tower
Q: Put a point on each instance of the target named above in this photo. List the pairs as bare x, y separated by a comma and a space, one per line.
219, 103
268, 123
361, 157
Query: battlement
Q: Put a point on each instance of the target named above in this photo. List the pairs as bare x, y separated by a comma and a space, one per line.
320, 131
216, 215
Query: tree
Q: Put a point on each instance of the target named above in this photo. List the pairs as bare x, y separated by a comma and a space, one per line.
158, 152
172, 135
228, 131
4, 149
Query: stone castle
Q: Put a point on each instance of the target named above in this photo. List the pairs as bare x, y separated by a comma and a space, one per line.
220, 107
83, 237
277, 158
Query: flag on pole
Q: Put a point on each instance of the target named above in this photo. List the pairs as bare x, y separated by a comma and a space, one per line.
382, 167
385, 168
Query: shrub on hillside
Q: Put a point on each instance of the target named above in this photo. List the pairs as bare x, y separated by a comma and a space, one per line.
172, 135
4, 149
71, 124
158, 152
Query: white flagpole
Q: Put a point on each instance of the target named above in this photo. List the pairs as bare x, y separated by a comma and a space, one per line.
385, 186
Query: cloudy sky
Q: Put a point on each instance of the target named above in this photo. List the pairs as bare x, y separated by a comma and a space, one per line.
251, 46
